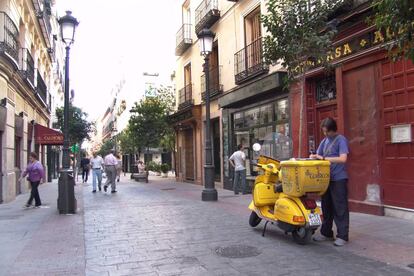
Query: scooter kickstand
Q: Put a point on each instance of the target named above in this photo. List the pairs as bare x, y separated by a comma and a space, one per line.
264, 228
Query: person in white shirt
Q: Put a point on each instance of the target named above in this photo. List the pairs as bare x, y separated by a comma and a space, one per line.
110, 163
238, 161
96, 164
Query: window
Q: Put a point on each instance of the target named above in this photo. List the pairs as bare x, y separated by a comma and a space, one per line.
17, 151
252, 26
326, 89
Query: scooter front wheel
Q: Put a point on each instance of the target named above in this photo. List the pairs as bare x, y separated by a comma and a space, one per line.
254, 219
302, 235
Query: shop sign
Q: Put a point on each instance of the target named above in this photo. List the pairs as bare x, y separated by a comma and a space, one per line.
362, 42
401, 134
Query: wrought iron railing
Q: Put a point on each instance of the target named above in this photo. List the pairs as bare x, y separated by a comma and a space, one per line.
215, 85
185, 96
41, 88
27, 65
43, 13
9, 37
183, 38
206, 13
249, 62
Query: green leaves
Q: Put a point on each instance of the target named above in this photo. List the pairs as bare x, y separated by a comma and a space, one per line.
79, 127
297, 33
396, 19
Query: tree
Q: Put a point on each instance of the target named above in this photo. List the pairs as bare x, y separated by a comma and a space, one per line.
300, 37
106, 147
148, 122
396, 19
128, 142
79, 127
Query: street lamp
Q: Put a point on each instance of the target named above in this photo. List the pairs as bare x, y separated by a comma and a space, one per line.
209, 193
66, 199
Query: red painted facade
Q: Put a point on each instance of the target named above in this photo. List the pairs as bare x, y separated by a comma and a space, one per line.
372, 95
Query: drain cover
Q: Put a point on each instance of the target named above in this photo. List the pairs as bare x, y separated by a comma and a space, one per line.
237, 251
411, 265
167, 189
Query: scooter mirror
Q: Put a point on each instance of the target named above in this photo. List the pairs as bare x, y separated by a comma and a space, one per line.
256, 147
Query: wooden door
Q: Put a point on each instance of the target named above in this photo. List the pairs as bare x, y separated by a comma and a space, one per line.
321, 114
397, 107
189, 154
361, 130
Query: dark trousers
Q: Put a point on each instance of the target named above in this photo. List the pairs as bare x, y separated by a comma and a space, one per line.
85, 174
34, 194
335, 208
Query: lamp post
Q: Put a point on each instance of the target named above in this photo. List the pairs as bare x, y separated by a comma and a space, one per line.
66, 199
209, 193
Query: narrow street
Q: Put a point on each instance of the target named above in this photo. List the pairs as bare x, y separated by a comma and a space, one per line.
163, 228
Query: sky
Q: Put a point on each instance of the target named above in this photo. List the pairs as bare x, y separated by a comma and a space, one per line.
118, 40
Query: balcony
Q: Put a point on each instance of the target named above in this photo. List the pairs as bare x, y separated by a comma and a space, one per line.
249, 62
215, 85
41, 89
206, 14
9, 38
43, 13
27, 68
185, 97
183, 39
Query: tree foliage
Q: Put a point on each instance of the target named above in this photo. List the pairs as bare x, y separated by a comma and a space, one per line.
396, 19
79, 126
299, 37
128, 142
106, 147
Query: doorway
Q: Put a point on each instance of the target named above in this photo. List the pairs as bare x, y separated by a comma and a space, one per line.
189, 154
215, 123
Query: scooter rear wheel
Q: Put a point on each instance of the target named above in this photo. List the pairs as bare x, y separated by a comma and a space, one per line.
254, 219
302, 235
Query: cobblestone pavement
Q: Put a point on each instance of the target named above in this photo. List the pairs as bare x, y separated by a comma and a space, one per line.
40, 241
163, 228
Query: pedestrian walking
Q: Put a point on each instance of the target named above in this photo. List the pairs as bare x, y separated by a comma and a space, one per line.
118, 167
238, 162
97, 164
85, 166
36, 174
334, 148
110, 163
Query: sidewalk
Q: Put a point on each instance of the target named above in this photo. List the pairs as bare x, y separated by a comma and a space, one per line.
385, 239
40, 241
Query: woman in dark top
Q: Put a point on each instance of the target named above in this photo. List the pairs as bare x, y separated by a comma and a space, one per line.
85, 164
334, 148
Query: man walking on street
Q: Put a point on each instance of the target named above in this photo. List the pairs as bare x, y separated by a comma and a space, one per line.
238, 161
96, 163
85, 165
110, 170
35, 173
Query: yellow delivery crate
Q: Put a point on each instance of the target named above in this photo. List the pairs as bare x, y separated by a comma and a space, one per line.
305, 176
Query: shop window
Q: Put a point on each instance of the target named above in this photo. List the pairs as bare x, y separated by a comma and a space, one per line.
326, 90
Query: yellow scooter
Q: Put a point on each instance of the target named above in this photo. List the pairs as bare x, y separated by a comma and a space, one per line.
280, 195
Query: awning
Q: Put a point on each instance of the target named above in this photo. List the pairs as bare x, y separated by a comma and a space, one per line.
47, 136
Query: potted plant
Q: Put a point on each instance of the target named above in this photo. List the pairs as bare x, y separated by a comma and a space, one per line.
157, 169
165, 169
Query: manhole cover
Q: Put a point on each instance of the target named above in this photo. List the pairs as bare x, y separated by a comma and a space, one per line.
411, 265
238, 251
167, 189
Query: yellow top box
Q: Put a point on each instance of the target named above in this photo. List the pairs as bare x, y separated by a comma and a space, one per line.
305, 176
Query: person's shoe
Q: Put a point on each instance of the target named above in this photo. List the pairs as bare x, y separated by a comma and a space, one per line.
105, 188
114, 191
321, 238
340, 242
27, 205
94, 191
100, 188
118, 180
38, 206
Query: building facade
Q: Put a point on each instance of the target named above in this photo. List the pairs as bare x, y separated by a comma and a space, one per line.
248, 103
372, 99
31, 66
